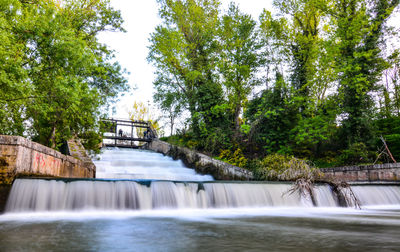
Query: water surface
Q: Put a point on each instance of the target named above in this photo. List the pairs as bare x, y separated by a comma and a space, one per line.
201, 215
213, 230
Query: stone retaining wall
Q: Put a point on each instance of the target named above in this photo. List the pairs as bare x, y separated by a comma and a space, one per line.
364, 173
200, 162
22, 157
4, 191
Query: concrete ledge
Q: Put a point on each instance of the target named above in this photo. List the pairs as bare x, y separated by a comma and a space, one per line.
389, 172
20, 156
77, 151
200, 162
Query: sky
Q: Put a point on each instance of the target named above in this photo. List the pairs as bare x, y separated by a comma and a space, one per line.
140, 19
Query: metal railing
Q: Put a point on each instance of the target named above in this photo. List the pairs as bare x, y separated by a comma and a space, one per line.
140, 131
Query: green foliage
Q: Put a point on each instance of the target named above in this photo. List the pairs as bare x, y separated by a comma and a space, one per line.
240, 58
283, 167
321, 63
213, 139
301, 37
183, 140
389, 129
183, 49
92, 140
245, 128
233, 157
272, 117
357, 153
359, 31
62, 76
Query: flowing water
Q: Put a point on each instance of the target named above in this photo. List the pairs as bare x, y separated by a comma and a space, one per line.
144, 201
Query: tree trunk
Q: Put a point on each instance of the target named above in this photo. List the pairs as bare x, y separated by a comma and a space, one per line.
172, 124
237, 120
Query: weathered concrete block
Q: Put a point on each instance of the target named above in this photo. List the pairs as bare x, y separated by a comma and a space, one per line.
364, 173
20, 156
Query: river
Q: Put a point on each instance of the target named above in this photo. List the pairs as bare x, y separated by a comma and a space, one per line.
148, 202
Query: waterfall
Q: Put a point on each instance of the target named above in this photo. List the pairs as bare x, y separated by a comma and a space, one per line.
372, 195
58, 195
141, 164
143, 180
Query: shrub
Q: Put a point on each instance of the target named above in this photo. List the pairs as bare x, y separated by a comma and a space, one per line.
357, 153
282, 167
234, 158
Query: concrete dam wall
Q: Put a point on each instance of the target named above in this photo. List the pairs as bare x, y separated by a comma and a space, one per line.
389, 172
200, 162
22, 157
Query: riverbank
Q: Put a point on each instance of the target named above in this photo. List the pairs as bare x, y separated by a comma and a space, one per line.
201, 162
389, 172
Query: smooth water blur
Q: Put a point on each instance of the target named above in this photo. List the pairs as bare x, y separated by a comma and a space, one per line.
37, 195
123, 163
268, 229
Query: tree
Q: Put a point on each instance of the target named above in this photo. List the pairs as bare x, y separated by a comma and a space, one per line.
15, 90
170, 101
272, 117
295, 40
240, 59
184, 47
303, 36
359, 32
390, 106
68, 71
141, 112
296, 35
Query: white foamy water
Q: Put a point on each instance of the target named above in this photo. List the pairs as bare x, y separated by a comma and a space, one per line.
115, 163
36, 195
146, 181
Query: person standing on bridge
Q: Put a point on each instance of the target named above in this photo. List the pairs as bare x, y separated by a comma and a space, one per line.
120, 132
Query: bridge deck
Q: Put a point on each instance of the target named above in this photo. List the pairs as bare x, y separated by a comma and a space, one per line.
124, 138
125, 132
122, 146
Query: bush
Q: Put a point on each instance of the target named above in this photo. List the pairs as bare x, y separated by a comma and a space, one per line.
234, 158
213, 140
357, 153
282, 167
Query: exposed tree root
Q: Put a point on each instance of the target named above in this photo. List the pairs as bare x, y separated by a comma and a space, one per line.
345, 194
304, 187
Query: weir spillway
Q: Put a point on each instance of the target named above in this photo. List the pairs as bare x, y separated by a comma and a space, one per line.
143, 180
57, 195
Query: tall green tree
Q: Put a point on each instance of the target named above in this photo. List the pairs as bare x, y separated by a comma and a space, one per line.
359, 32
296, 33
304, 44
240, 59
272, 116
170, 100
295, 39
15, 89
184, 46
69, 72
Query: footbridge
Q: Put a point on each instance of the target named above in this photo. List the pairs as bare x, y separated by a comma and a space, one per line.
127, 133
